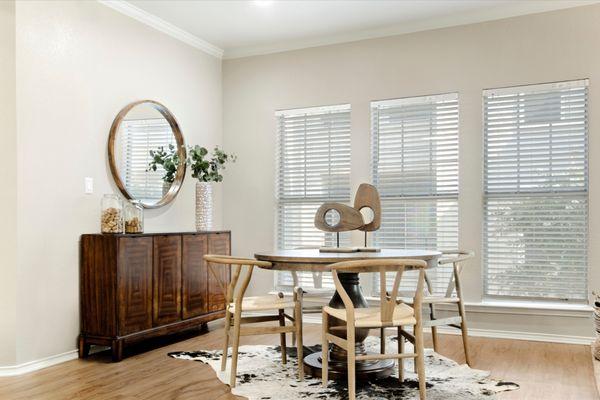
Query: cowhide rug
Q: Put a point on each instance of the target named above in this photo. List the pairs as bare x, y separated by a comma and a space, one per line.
262, 376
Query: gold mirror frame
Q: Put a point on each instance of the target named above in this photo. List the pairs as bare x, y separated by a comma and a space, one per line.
174, 189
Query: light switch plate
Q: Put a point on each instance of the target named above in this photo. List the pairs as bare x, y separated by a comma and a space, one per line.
89, 185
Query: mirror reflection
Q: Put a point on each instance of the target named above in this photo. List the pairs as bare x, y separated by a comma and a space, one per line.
148, 156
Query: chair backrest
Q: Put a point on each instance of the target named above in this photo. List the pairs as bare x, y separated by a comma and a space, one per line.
237, 266
454, 257
388, 300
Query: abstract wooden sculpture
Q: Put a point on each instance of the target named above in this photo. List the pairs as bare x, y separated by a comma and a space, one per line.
349, 218
338, 217
367, 196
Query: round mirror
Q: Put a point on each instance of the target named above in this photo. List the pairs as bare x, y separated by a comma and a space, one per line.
332, 217
146, 153
367, 214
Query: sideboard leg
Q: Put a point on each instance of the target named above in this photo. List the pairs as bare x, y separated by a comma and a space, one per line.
117, 350
203, 328
84, 348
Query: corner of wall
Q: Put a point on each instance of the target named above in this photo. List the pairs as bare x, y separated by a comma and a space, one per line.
8, 177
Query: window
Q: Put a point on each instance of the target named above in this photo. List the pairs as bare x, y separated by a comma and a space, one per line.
139, 136
313, 166
415, 168
536, 191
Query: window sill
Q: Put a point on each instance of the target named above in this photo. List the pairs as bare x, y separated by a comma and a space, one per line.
534, 305
516, 307
536, 308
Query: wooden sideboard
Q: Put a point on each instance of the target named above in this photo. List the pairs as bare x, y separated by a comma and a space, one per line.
138, 286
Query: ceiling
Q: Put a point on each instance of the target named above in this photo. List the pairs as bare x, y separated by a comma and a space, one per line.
244, 28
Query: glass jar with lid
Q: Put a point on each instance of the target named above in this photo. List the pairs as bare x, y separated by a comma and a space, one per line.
111, 219
134, 217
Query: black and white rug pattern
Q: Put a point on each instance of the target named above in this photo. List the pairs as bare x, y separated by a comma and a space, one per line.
262, 376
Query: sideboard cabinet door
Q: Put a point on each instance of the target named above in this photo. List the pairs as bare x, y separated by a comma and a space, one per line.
167, 279
134, 282
194, 276
218, 243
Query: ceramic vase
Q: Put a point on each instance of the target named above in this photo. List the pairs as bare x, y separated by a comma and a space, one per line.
204, 206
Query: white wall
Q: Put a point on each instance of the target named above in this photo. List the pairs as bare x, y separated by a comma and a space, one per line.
78, 64
8, 177
548, 47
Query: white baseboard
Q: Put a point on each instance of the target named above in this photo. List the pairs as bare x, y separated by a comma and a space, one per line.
37, 364
497, 334
531, 336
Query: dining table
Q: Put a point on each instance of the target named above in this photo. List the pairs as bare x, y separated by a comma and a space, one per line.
312, 260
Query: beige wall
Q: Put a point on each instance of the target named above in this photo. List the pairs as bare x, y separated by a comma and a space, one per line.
8, 177
538, 48
78, 64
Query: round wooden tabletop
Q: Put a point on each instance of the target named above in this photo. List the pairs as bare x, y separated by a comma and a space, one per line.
313, 259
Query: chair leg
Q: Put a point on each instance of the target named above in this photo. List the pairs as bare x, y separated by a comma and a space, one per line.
227, 330
464, 332
298, 336
351, 355
420, 360
415, 367
294, 338
400, 351
325, 350
382, 340
236, 343
434, 334
282, 336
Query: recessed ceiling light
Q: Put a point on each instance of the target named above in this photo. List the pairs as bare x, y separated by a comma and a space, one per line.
263, 3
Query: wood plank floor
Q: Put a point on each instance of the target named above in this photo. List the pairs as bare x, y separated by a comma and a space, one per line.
544, 371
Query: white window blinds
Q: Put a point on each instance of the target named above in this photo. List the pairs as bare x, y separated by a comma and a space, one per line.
415, 168
139, 136
313, 166
536, 191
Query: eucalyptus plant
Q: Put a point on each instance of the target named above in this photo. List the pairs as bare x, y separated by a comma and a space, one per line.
205, 167
168, 159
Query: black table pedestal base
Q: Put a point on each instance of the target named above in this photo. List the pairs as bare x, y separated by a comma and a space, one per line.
365, 370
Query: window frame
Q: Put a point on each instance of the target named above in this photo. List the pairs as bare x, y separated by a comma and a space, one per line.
439, 277
551, 195
283, 280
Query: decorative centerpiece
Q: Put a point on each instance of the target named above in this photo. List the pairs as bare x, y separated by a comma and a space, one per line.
134, 217
169, 160
338, 217
111, 219
206, 170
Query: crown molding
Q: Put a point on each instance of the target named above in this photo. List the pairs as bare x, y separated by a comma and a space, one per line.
161, 25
